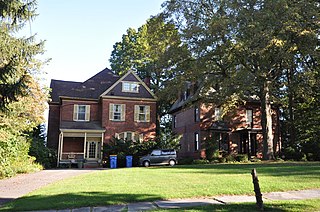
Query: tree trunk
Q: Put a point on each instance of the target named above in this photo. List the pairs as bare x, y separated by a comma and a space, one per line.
291, 127
266, 122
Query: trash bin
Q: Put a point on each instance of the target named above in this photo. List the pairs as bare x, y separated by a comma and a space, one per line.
129, 161
113, 161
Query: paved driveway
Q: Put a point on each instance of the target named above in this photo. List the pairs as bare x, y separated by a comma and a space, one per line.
22, 184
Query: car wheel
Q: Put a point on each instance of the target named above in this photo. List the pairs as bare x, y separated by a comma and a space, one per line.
172, 162
146, 163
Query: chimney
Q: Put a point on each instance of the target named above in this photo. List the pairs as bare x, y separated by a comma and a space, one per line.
147, 81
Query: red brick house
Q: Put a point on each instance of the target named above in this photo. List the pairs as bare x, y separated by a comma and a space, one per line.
239, 132
83, 116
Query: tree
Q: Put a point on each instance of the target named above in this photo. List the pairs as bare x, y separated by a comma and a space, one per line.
248, 44
22, 99
156, 52
18, 61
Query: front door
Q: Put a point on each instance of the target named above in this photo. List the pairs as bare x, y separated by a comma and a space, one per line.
92, 149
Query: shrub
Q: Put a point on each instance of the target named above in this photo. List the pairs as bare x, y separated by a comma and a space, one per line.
201, 161
185, 161
291, 153
14, 156
230, 158
45, 156
241, 158
211, 148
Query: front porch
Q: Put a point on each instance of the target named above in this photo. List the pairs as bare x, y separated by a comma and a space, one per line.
80, 147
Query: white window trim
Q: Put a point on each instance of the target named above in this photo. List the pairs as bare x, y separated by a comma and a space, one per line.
137, 113
122, 114
249, 115
217, 113
76, 113
196, 141
130, 89
117, 135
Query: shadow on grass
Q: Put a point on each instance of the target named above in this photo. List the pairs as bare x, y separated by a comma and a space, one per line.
74, 200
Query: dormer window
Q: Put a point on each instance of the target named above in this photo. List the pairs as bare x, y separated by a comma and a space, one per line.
132, 87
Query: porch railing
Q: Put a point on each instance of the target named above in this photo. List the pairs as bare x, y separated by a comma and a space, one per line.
72, 156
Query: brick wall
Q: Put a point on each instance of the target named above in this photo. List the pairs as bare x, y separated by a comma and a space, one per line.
113, 127
53, 126
67, 107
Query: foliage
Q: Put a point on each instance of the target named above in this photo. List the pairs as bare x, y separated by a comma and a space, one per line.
242, 158
200, 161
154, 51
22, 99
245, 48
45, 156
211, 148
18, 62
14, 156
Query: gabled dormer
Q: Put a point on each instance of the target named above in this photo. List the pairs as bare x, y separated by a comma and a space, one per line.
129, 86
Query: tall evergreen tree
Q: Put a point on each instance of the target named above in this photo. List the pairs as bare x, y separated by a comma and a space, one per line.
18, 62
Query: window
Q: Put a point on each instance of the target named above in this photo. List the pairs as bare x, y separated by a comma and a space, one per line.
142, 113
249, 116
217, 113
196, 141
117, 112
196, 114
130, 136
132, 87
81, 112
174, 121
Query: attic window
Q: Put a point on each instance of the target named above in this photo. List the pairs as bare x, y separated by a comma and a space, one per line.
132, 87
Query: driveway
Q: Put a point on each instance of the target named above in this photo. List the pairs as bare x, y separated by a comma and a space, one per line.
22, 184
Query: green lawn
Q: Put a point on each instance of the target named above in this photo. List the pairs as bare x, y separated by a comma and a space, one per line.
275, 206
120, 186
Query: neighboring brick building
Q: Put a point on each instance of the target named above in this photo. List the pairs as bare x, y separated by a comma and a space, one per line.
85, 115
239, 132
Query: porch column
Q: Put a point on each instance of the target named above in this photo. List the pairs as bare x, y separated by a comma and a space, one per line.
60, 148
101, 153
85, 146
249, 139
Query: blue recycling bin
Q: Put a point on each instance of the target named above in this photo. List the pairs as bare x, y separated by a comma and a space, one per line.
129, 161
113, 161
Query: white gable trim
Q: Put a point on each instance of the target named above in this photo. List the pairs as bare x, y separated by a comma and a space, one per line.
122, 78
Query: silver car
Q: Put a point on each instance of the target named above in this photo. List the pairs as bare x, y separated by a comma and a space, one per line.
160, 157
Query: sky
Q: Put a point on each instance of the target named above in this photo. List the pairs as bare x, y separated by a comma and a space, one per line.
80, 34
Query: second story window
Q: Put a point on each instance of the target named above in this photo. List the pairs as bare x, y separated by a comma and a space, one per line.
81, 112
132, 87
249, 115
117, 112
196, 141
142, 113
217, 114
196, 114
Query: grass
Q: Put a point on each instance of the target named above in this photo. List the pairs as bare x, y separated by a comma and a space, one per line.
121, 186
280, 206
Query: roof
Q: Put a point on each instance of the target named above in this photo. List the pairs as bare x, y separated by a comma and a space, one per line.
91, 88
92, 125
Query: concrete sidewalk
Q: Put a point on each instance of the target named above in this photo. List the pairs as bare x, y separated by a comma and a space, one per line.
193, 202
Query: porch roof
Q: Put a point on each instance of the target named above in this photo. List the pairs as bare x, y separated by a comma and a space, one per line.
92, 125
